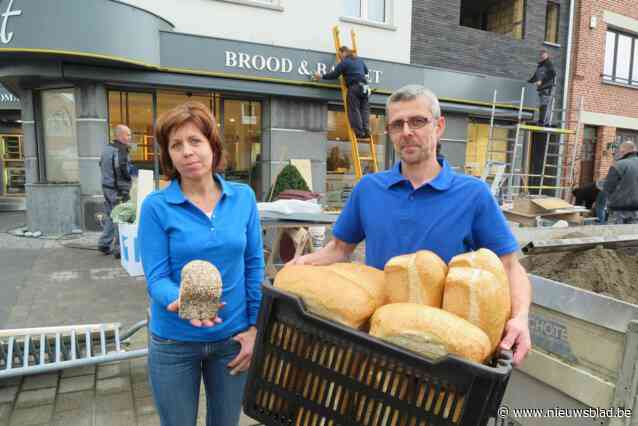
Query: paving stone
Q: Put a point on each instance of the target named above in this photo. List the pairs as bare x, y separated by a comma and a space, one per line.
32, 416
10, 382
75, 401
40, 381
5, 412
76, 384
114, 403
145, 406
8, 394
123, 418
119, 369
141, 390
34, 398
114, 385
72, 418
152, 420
78, 371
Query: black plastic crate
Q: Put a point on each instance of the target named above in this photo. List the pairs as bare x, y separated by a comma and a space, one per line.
307, 370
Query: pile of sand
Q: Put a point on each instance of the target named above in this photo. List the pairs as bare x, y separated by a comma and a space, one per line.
610, 272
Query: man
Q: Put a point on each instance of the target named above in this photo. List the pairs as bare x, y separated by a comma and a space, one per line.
354, 71
116, 185
621, 186
544, 79
427, 206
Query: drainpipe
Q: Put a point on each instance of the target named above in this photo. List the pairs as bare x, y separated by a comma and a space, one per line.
568, 66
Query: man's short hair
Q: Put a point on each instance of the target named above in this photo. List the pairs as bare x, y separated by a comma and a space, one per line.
413, 91
119, 129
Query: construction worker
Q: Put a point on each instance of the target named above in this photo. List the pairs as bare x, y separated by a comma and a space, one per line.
621, 186
427, 206
115, 165
544, 78
354, 71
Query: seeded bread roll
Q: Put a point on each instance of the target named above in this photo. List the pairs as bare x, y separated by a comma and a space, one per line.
347, 293
429, 331
415, 278
200, 291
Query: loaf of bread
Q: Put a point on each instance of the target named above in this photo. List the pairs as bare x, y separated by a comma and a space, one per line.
200, 291
484, 259
347, 293
415, 278
429, 331
480, 297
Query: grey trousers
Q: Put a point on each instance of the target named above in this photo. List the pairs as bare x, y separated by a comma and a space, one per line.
110, 236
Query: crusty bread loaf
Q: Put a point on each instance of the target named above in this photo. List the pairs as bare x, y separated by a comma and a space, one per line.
479, 297
348, 293
429, 331
415, 278
484, 259
200, 290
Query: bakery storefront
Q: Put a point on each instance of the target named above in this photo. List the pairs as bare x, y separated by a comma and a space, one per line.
78, 78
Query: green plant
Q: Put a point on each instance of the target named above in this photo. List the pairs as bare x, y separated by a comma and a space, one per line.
288, 178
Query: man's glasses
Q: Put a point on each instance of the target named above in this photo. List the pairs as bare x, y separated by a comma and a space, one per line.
414, 123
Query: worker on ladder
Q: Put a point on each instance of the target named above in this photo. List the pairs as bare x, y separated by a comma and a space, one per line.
354, 71
544, 78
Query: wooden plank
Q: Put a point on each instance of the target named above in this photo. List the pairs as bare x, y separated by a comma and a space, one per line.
569, 244
551, 203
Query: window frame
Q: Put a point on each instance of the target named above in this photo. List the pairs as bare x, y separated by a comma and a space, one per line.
632, 80
387, 24
483, 26
557, 6
275, 5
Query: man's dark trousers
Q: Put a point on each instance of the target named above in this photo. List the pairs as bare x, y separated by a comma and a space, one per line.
544, 100
358, 110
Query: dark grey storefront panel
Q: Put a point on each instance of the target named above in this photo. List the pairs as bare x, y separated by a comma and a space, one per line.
7, 100
91, 27
275, 64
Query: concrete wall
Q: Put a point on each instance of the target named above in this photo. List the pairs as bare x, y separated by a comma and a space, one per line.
53, 209
439, 40
296, 23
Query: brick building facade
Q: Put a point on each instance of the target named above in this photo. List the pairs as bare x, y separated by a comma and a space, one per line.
440, 39
605, 76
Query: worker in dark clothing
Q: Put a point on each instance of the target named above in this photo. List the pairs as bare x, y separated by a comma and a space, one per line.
115, 165
586, 195
544, 78
354, 71
621, 186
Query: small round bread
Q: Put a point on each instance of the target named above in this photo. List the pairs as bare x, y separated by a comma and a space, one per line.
200, 291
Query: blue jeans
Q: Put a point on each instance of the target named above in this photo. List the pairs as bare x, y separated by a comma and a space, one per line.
175, 372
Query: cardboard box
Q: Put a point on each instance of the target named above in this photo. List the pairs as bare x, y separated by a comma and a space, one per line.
131, 259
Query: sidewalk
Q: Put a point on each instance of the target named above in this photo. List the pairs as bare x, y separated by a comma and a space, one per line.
49, 282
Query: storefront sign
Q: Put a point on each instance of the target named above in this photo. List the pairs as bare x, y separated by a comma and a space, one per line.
283, 65
6, 37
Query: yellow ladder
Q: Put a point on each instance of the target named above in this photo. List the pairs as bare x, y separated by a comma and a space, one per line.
356, 157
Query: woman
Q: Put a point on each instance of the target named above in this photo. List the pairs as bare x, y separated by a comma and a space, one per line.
199, 216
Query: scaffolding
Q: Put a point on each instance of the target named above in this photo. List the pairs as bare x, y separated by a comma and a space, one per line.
537, 160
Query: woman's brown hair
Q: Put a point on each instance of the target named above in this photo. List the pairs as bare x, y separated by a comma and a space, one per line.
189, 112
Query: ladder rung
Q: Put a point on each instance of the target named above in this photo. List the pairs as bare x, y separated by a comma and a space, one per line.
366, 158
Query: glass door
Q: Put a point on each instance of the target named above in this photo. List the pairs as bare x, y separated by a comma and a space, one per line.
13, 175
241, 137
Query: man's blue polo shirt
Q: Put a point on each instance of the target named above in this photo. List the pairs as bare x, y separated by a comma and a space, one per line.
450, 215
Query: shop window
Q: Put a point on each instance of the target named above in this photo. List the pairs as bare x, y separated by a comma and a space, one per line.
621, 58
552, 19
502, 16
370, 10
135, 110
60, 138
478, 151
340, 178
242, 143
